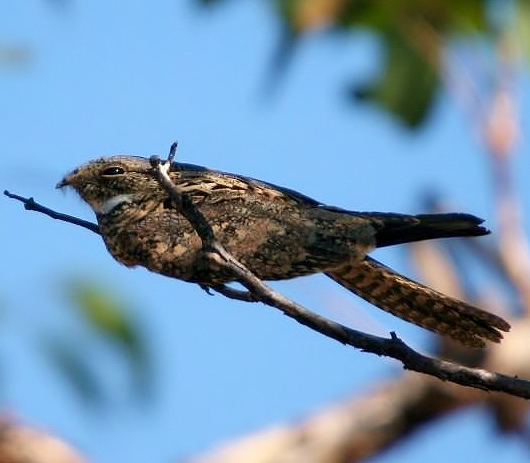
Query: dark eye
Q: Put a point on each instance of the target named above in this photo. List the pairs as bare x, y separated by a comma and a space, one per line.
110, 171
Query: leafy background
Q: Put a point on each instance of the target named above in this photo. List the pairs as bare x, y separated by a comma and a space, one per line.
358, 104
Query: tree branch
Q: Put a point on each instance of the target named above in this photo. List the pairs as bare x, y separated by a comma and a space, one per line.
22, 444
31, 205
258, 291
353, 429
392, 347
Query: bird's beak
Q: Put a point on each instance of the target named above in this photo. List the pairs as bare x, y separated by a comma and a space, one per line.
62, 183
67, 179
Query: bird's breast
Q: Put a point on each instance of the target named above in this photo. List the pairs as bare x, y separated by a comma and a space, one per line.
160, 240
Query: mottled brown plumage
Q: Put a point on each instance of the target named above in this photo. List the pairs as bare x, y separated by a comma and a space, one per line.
276, 233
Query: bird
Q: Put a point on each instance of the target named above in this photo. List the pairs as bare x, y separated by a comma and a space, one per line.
277, 233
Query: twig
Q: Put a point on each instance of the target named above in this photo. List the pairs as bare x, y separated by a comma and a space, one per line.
31, 205
392, 347
258, 291
236, 294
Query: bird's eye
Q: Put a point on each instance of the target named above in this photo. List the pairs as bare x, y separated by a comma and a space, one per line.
112, 171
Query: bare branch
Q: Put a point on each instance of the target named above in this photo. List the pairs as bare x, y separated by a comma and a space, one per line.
22, 444
31, 205
350, 430
258, 291
364, 425
392, 347
236, 294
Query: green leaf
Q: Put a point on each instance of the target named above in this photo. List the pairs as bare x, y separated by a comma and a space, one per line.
103, 312
407, 85
522, 22
110, 319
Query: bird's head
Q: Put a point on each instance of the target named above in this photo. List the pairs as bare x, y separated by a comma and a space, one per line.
108, 182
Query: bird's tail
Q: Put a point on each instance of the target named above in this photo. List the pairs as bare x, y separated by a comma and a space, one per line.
400, 228
419, 304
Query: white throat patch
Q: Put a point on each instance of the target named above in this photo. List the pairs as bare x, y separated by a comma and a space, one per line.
113, 202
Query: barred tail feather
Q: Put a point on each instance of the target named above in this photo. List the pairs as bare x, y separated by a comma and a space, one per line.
419, 304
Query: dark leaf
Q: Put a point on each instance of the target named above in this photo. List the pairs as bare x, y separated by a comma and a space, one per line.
71, 361
407, 85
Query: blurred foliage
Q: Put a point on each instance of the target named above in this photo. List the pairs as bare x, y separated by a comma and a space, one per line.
72, 361
522, 25
106, 315
408, 86
14, 55
19, 55
413, 34
109, 323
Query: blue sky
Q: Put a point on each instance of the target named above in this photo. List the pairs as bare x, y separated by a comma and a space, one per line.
131, 77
